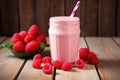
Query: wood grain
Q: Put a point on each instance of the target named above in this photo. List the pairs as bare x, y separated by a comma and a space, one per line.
26, 13
57, 8
42, 15
9, 65
8, 17
106, 18
89, 27
118, 18
86, 73
97, 17
108, 66
112, 48
83, 8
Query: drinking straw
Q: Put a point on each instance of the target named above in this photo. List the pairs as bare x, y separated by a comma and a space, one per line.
75, 9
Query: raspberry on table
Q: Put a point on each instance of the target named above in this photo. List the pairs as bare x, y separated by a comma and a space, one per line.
46, 59
47, 68
83, 53
79, 63
36, 64
66, 66
92, 58
37, 56
57, 64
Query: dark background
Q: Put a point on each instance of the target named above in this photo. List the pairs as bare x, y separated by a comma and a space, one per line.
98, 17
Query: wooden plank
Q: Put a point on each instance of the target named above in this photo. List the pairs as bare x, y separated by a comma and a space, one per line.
82, 43
112, 48
57, 8
108, 67
42, 15
86, 73
8, 17
29, 73
89, 18
82, 15
106, 17
117, 39
26, 13
9, 65
118, 17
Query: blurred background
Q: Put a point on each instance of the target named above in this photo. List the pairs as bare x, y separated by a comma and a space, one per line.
97, 17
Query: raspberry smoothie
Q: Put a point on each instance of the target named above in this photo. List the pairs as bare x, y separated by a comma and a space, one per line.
64, 33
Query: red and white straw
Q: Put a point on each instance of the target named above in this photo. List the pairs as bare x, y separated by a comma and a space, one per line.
75, 9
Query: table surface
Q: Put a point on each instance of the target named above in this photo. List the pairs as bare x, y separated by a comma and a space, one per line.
106, 48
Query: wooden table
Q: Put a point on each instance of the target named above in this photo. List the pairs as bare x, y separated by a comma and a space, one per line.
106, 48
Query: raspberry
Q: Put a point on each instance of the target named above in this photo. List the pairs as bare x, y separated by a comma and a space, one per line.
92, 58
83, 53
16, 37
79, 63
28, 38
32, 46
47, 68
34, 30
46, 59
36, 63
41, 38
57, 64
66, 66
37, 56
23, 34
19, 47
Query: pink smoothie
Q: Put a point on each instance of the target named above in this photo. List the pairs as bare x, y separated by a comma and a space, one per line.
64, 33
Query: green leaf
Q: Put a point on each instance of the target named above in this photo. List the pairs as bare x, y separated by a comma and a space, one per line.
6, 46
42, 45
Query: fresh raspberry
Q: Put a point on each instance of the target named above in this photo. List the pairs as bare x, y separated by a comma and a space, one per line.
23, 34
83, 53
34, 30
16, 37
36, 63
46, 59
92, 58
19, 46
47, 68
28, 38
37, 56
32, 46
57, 64
41, 38
66, 66
79, 63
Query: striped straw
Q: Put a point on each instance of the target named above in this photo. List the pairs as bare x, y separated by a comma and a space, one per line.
75, 9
